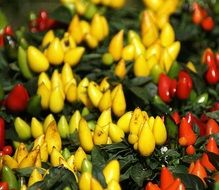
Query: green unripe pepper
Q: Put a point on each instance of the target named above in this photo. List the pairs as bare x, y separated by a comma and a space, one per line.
9, 176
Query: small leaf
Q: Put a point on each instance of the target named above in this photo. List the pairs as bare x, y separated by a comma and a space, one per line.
190, 181
213, 115
140, 174
214, 159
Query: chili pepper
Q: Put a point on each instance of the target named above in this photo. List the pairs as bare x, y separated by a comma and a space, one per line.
208, 57
181, 187
190, 150
185, 130
174, 185
151, 186
2, 133
166, 178
217, 58
174, 70
215, 107
212, 75
199, 170
8, 150
86, 166
211, 146
212, 127
176, 117
164, 87
184, 85
202, 99
206, 163
9, 177
34, 105
17, 99
193, 120
197, 15
4, 185
208, 23
23, 64
8, 30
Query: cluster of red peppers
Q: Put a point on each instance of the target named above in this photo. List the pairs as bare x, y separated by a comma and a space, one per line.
169, 88
8, 30
201, 17
211, 59
41, 22
167, 181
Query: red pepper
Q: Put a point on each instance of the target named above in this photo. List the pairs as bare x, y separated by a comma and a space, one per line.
190, 150
4, 185
17, 99
186, 132
217, 58
2, 133
8, 150
193, 120
198, 13
212, 75
1, 40
8, 30
199, 170
181, 187
211, 146
175, 185
166, 178
164, 84
176, 117
151, 186
208, 57
211, 127
206, 162
184, 85
208, 23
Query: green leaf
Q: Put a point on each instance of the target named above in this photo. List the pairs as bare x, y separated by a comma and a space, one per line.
213, 115
98, 159
190, 181
140, 174
26, 172
62, 14
214, 159
172, 128
57, 179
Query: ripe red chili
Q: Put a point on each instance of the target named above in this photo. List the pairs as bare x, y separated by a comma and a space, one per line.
212, 75
17, 99
8, 150
190, 150
4, 185
197, 15
164, 84
212, 127
2, 133
208, 57
8, 30
207, 23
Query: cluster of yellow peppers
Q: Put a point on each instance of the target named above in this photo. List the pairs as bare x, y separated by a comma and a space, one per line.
48, 147
155, 48
83, 7
66, 50
63, 86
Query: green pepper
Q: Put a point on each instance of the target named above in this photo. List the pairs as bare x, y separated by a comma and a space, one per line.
34, 105
9, 176
23, 64
86, 166
202, 99
174, 70
66, 153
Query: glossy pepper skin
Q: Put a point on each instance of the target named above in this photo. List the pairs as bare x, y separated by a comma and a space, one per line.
2, 133
17, 99
184, 85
